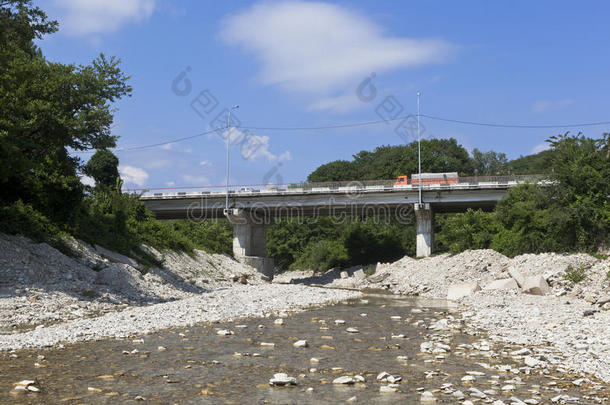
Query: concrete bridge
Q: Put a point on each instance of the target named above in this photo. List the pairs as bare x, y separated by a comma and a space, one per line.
253, 208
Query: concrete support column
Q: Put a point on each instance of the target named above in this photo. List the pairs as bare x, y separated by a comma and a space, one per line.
425, 229
250, 241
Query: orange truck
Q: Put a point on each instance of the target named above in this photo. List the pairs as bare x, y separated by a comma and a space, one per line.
428, 178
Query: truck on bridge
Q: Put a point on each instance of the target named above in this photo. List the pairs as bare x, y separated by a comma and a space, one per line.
428, 178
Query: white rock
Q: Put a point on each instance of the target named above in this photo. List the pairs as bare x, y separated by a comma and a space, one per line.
503, 284
458, 395
383, 376
280, 379
279, 321
461, 290
300, 343
344, 380
385, 389
394, 379
352, 330
344, 274
536, 285
516, 275
339, 321
224, 332
427, 396
359, 378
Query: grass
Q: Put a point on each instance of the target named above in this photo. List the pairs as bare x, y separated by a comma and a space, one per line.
575, 275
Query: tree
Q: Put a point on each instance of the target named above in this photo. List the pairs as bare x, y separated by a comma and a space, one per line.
103, 167
488, 163
389, 162
48, 109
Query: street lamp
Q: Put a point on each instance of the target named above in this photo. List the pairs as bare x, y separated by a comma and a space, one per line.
235, 107
419, 145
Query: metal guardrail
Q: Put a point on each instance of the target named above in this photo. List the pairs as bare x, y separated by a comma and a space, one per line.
338, 186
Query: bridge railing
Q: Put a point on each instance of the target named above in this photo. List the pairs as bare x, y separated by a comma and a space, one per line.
338, 185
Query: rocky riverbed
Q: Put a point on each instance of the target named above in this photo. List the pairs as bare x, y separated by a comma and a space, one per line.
572, 316
378, 349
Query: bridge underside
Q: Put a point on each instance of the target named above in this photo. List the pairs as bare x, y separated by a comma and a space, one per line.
250, 214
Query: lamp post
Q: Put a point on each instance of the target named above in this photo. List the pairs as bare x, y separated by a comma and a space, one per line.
235, 107
419, 145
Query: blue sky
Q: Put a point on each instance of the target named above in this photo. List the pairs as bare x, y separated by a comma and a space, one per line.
300, 64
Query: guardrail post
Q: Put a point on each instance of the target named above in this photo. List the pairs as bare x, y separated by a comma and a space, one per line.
425, 229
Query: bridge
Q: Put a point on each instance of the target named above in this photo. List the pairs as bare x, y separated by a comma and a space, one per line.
252, 208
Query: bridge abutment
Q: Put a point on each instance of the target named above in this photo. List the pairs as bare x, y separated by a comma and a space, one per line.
250, 241
425, 229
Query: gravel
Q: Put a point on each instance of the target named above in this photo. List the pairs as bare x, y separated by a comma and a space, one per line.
225, 304
574, 318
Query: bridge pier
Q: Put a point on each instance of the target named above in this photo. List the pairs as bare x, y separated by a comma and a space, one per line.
425, 229
250, 241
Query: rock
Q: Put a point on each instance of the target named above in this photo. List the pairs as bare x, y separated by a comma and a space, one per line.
474, 392
394, 379
461, 290
352, 330
279, 321
505, 284
281, 379
458, 395
385, 389
532, 362
359, 378
536, 285
267, 344
517, 276
224, 332
441, 324
468, 378
314, 360
508, 387
300, 343
359, 274
427, 396
383, 376
339, 322
344, 380
344, 274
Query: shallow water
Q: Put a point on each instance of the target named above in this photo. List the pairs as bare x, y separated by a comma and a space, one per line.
201, 367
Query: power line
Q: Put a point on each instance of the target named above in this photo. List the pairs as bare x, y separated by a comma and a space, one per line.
526, 126
365, 123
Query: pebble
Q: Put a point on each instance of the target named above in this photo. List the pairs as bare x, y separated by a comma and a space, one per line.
352, 330
300, 343
281, 379
344, 380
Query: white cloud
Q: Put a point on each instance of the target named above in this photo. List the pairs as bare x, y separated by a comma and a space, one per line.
134, 175
87, 181
545, 105
337, 104
318, 49
196, 180
541, 147
170, 183
167, 146
87, 17
205, 163
253, 147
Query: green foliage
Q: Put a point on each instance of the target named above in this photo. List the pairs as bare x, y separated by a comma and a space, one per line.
301, 242
103, 167
538, 163
322, 255
389, 162
488, 163
473, 229
575, 275
21, 219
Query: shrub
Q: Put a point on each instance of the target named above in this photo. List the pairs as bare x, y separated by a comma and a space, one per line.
575, 275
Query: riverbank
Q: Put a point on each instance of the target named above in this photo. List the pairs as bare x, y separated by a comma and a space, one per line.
572, 316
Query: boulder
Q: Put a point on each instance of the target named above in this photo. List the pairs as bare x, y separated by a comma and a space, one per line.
344, 274
461, 290
503, 284
359, 274
536, 285
517, 276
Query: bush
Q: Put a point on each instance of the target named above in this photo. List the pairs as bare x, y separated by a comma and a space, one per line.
322, 255
22, 219
469, 230
575, 275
